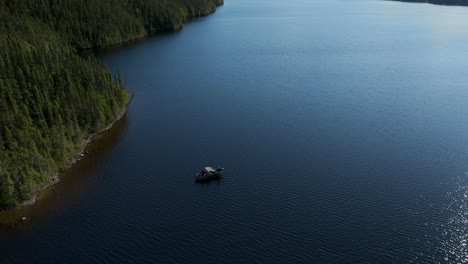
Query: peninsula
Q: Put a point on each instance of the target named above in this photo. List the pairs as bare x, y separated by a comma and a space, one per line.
52, 100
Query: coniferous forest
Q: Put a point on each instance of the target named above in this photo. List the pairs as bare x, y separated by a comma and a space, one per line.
51, 98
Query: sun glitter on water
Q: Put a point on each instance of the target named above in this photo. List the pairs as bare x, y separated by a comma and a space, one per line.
456, 232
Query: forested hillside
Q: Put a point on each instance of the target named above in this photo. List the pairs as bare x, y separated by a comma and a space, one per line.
91, 23
51, 99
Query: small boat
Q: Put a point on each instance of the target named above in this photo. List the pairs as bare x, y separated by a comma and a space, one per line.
208, 174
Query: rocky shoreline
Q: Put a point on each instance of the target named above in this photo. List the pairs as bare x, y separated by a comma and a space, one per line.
55, 179
78, 156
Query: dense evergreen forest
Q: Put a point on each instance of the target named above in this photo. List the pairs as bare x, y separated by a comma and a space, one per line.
51, 98
439, 2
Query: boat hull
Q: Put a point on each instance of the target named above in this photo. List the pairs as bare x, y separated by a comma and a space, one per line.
208, 178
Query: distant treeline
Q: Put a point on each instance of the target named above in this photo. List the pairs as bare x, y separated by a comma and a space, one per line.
51, 98
439, 2
98, 23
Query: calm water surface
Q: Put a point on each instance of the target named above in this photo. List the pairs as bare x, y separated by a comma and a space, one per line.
342, 125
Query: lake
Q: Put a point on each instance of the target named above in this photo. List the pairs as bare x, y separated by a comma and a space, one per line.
342, 125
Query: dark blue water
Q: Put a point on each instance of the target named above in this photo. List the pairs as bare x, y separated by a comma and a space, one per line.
342, 125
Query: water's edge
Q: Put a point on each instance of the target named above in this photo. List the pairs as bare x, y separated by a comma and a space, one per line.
435, 2
80, 154
88, 139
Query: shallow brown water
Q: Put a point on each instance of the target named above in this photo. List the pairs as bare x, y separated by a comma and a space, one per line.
75, 183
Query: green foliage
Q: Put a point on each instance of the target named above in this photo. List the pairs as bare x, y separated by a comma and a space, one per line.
91, 23
50, 97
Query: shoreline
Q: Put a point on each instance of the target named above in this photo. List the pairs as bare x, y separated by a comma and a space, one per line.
88, 139
79, 155
153, 33
434, 2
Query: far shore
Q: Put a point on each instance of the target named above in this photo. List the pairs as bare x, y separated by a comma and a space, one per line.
436, 2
